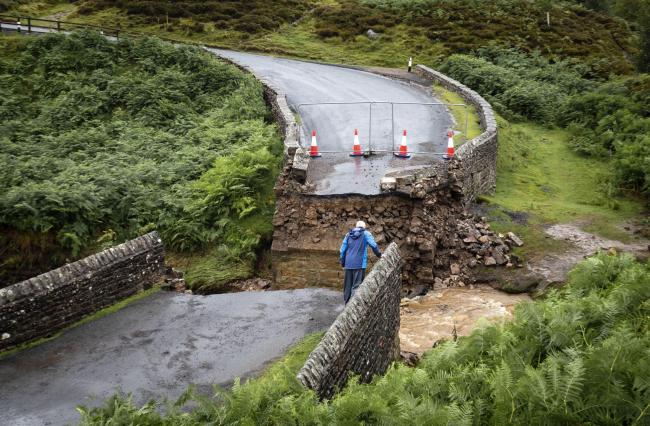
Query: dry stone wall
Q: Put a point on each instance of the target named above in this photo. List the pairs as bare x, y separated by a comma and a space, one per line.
364, 338
45, 304
476, 160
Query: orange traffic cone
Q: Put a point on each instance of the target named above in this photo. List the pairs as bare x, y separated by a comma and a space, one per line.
356, 148
403, 150
450, 145
313, 150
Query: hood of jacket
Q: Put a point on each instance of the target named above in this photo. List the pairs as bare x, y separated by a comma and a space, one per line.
355, 233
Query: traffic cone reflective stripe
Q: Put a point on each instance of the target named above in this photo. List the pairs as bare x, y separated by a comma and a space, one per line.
450, 144
403, 150
313, 150
356, 149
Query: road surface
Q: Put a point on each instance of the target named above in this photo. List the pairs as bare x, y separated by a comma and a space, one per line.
155, 348
338, 173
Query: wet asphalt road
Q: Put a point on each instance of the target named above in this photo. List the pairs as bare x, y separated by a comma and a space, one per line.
336, 173
157, 346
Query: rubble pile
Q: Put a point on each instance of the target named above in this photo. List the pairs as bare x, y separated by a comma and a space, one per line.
440, 241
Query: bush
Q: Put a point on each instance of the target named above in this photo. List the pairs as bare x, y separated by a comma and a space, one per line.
614, 121
532, 100
249, 16
131, 136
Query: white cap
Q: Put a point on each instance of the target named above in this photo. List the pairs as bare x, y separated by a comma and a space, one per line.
361, 224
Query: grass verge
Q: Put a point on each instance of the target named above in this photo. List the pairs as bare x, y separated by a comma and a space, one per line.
465, 118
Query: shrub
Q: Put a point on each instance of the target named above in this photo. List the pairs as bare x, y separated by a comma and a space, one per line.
249, 16
130, 136
532, 100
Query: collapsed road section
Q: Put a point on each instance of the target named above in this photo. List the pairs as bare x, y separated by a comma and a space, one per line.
420, 203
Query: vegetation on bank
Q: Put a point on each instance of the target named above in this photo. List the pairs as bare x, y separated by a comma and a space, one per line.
577, 73
103, 141
607, 120
336, 29
577, 356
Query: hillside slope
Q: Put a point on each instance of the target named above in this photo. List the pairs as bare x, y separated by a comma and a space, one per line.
103, 141
336, 30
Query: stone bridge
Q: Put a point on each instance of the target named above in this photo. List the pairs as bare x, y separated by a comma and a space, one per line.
421, 218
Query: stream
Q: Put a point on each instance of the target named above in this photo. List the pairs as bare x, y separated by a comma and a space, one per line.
430, 318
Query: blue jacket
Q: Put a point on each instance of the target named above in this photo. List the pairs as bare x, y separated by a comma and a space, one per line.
354, 250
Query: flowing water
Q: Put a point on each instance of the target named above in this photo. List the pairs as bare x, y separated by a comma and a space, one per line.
430, 318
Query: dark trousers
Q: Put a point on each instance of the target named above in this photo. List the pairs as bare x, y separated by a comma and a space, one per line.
353, 279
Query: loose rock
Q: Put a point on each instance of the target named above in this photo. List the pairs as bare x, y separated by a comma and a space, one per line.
515, 239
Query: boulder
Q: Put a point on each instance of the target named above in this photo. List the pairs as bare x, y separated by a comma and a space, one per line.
470, 239
515, 239
372, 34
419, 290
499, 256
409, 358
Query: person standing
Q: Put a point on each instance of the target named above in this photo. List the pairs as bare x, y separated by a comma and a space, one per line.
354, 256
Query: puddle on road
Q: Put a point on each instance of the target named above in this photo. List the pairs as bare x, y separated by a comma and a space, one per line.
429, 318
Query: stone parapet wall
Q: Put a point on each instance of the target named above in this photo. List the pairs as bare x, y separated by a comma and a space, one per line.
364, 338
476, 160
49, 302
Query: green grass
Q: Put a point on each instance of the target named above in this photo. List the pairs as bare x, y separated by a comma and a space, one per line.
290, 363
334, 30
392, 49
462, 115
209, 272
92, 317
42, 9
539, 175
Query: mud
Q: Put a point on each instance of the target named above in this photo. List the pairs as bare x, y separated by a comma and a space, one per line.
428, 319
157, 346
555, 267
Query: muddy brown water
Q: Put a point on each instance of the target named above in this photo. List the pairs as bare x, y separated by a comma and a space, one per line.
430, 318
